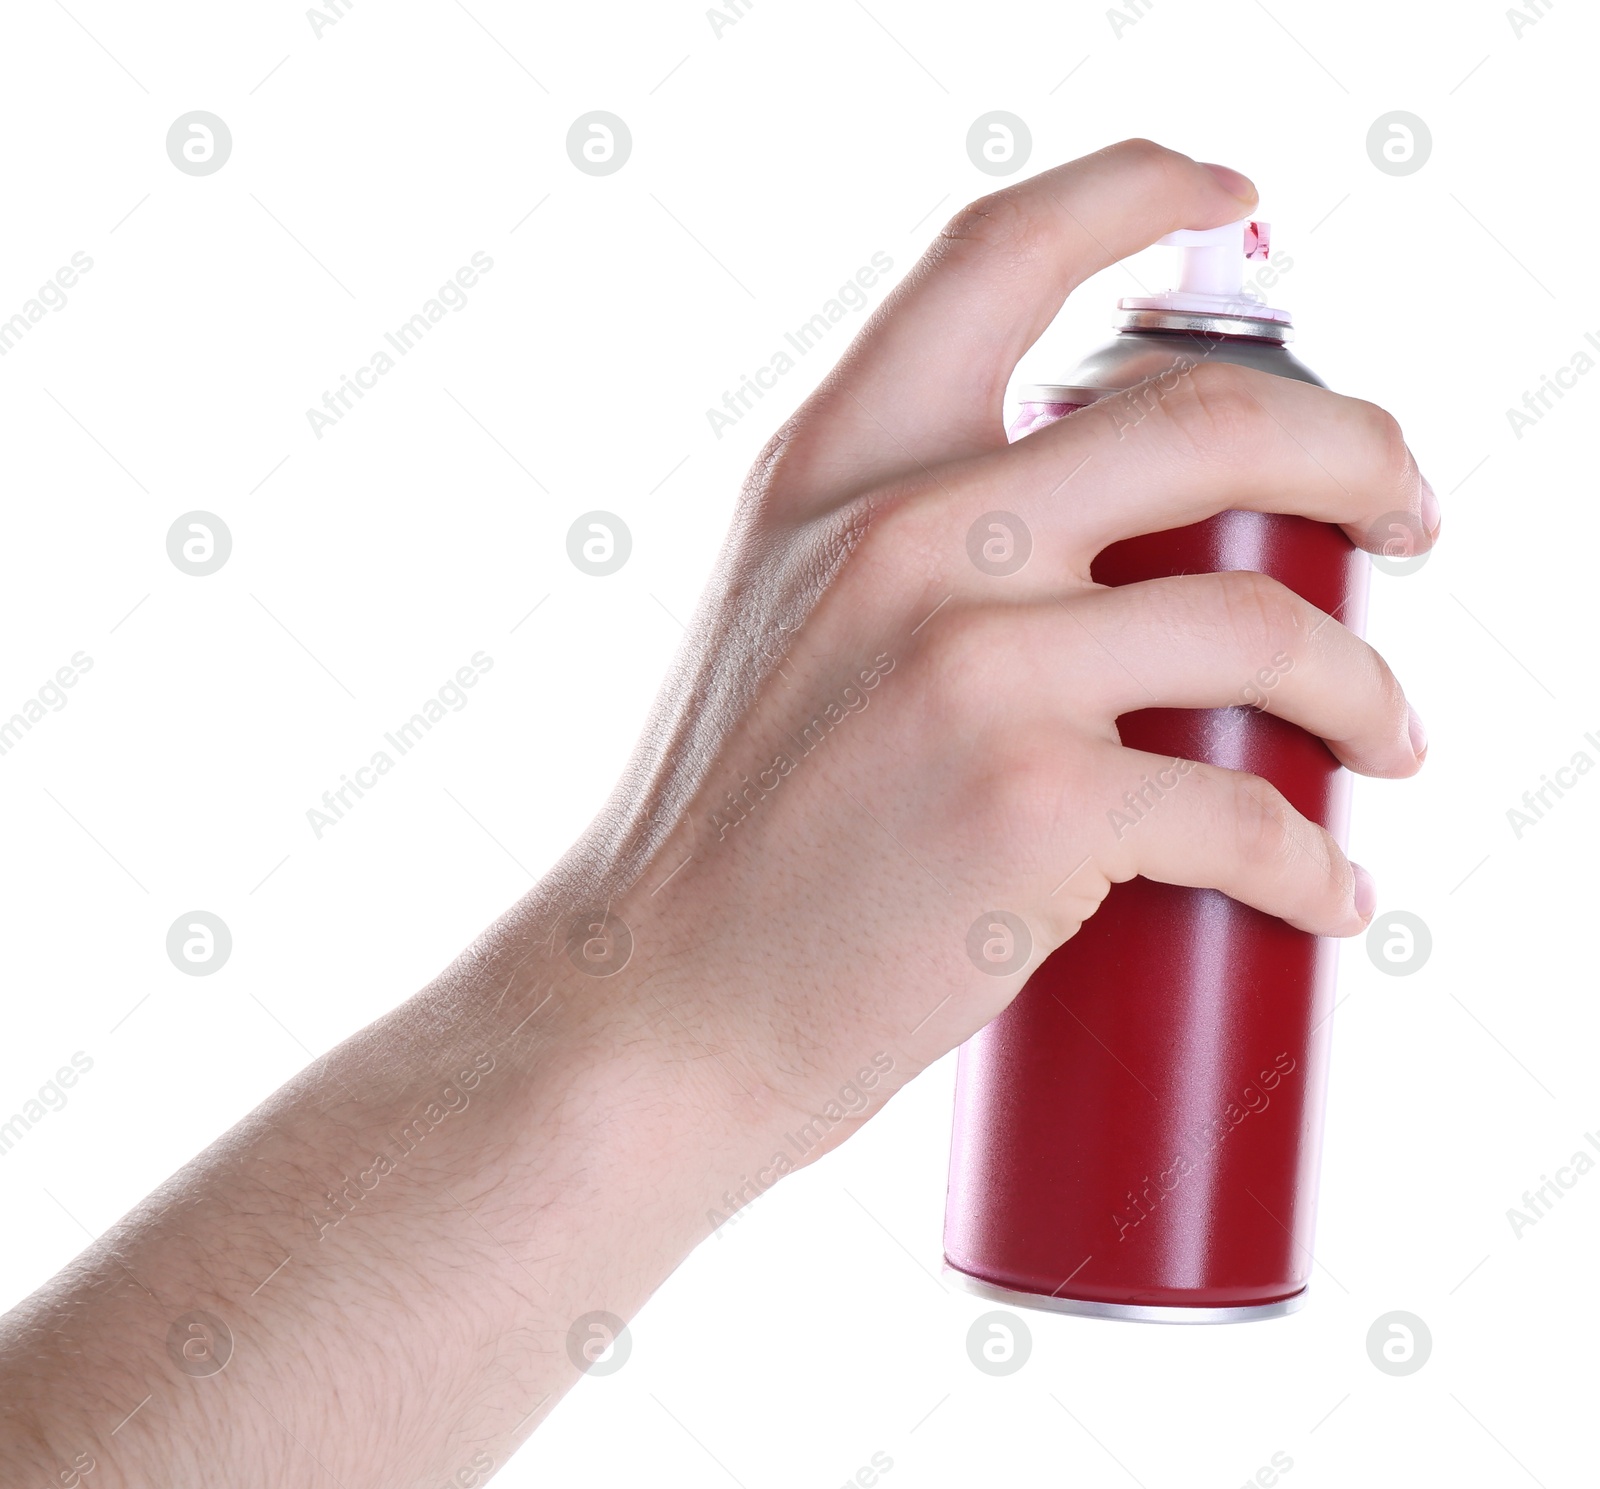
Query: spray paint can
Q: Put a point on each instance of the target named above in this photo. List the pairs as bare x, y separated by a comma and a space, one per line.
1138, 1135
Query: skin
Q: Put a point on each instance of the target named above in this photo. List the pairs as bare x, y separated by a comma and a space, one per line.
580, 1132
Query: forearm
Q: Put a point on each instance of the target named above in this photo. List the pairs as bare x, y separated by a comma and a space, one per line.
397, 1242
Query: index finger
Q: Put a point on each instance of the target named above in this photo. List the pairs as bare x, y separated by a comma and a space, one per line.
925, 379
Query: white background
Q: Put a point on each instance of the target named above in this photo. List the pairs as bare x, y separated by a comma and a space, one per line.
768, 165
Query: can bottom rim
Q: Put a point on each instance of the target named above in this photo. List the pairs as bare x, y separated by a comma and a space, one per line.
1127, 1312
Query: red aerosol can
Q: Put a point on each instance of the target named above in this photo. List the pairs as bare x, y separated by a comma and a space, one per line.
1137, 1136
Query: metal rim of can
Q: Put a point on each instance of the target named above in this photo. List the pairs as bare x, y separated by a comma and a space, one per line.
1143, 1313
1205, 323
1059, 393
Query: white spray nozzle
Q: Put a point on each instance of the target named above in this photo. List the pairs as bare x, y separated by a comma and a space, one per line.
1212, 259
1211, 272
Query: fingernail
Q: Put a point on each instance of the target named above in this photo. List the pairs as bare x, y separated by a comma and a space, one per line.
1233, 183
1366, 893
1419, 735
1431, 515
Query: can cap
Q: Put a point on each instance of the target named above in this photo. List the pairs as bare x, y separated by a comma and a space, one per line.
1211, 264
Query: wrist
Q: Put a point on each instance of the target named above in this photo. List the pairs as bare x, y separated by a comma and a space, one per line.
660, 1008
632, 1097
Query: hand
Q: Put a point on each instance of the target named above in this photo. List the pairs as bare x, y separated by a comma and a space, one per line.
868, 743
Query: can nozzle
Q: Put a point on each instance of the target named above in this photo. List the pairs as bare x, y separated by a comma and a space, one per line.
1211, 272
1210, 261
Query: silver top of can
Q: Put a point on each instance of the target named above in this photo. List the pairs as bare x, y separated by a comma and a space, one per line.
1137, 354
1206, 323
1055, 393
1211, 315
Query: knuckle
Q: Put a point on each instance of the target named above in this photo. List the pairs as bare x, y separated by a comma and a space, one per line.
1011, 798
1390, 696
896, 528
1261, 816
961, 663
1216, 409
1026, 787
1302, 857
1262, 612
1141, 150
1171, 171
1331, 889
1018, 220
1385, 443
888, 523
1006, 222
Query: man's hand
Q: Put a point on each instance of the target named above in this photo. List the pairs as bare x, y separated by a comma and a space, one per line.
869, 742
865, 744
